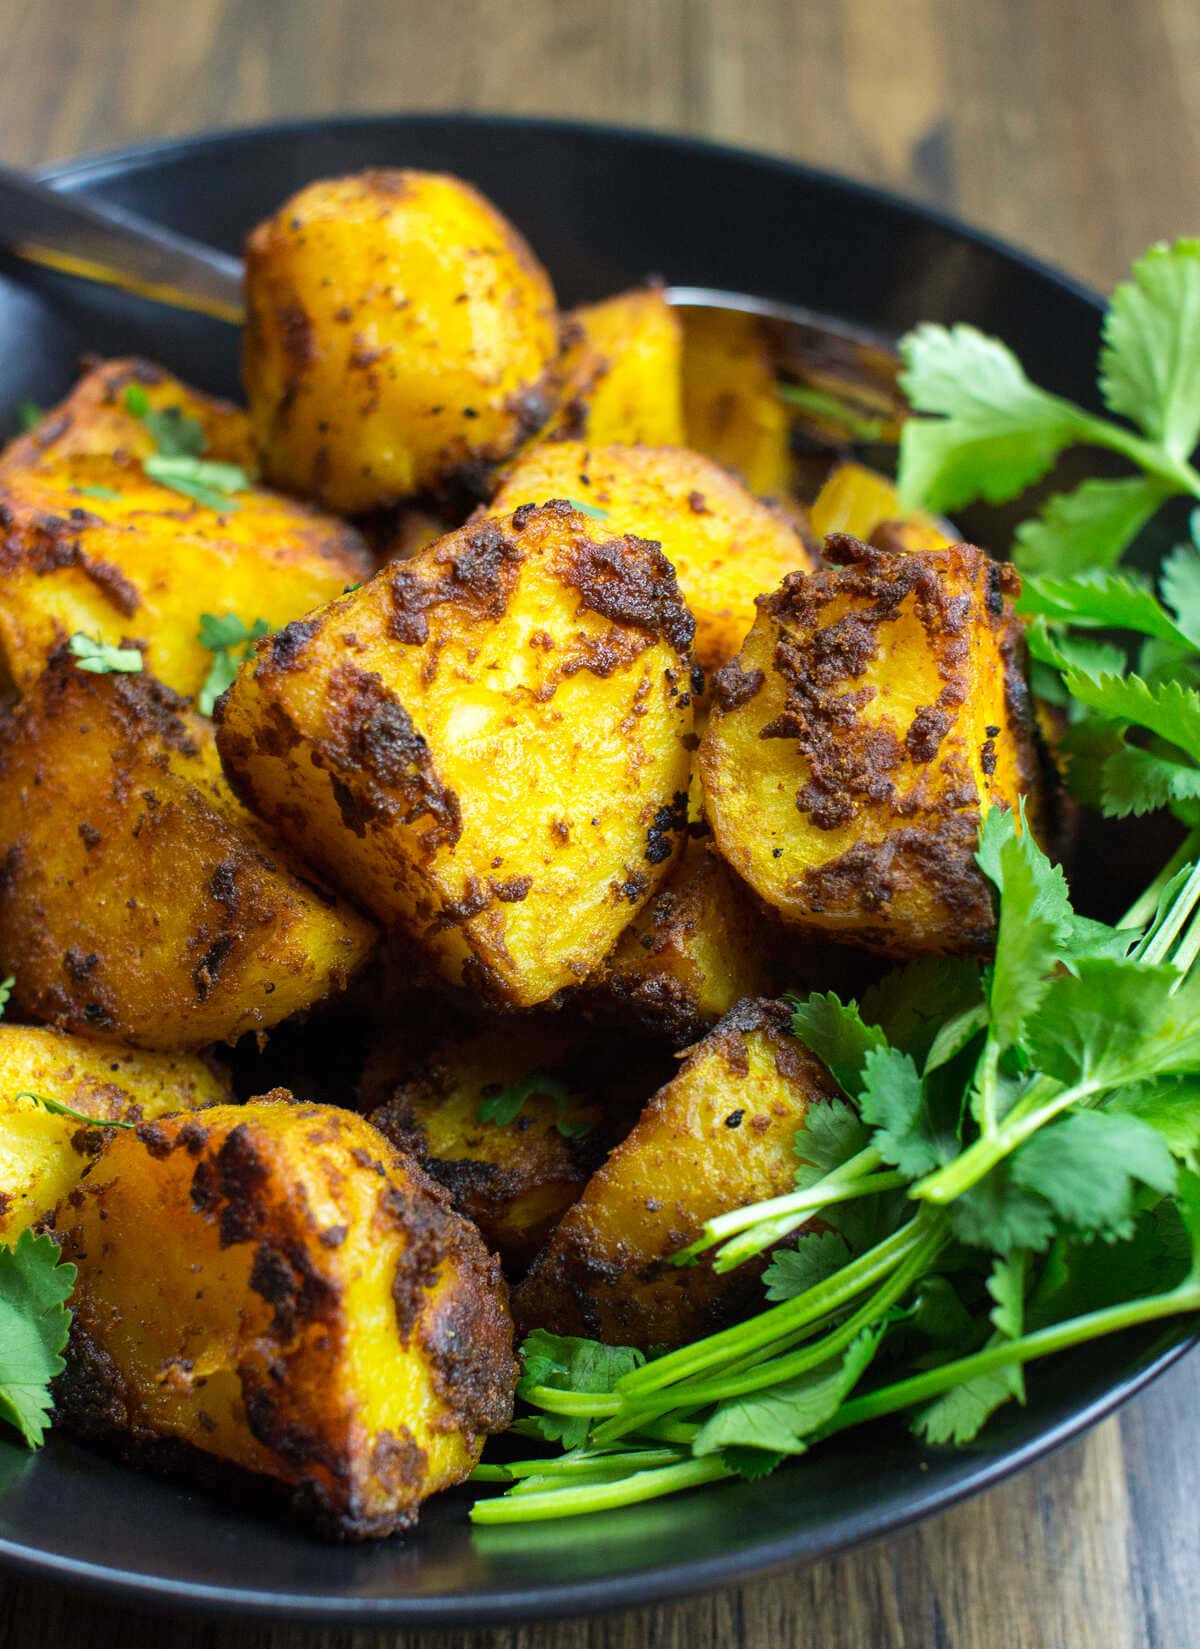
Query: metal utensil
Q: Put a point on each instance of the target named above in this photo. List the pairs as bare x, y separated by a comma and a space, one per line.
95, 241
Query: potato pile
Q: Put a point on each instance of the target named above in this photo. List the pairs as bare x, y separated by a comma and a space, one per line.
571, 741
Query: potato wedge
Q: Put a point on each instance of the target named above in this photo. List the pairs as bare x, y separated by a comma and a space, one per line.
91, 542
725, 546
486, 744
688, 956
732, 410
400, 336
138, 901
42, 1154
514, 1178
861, 502
717, 1136
273, 1289
878, 708
621, 372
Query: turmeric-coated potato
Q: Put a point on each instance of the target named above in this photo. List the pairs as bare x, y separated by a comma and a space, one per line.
621, 372
692, 952
725, 546
42, 1154
400, 336
274, 1288
90, 542
512, 1120
878, 708
732, 409
485, 744
865, 504
138, 901
718, 1136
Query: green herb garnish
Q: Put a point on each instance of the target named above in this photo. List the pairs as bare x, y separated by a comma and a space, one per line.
34, 1323
108, 494
1024, 1135
29, 416
593, 510
178, 463
818, 403
995, 432
230, 641
6, 989
504, 1106
56, 1107
100, 659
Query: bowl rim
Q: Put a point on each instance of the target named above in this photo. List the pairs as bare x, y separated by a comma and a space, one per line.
638, 1588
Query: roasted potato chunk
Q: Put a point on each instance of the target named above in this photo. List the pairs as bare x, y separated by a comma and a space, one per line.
400, 334
138, 901
863, 503
717, 1136
878, 708
725, 546
275, 1288
732, 409
621, 372
517, 1177
486, 744
43, 1154
689, 955
93, 543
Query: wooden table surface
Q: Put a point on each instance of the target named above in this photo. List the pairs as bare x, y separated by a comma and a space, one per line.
1070, 126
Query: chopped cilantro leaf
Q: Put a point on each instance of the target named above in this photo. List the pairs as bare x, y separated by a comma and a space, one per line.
505, 1106
100, 659
34, 1323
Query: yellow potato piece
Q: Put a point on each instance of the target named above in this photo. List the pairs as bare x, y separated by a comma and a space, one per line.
486, 744
93, 544
140, 902
42, 1154
400, 335
879, 707
732, 410
860, 501
719, 1136
691, 953
274, 1288
621, 372
725, 546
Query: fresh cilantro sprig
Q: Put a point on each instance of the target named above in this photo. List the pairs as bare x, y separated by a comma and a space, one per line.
100, 659
34, 1323
179, 462
6, 990
1011, 1171
992, 433
230, 641
506, 1104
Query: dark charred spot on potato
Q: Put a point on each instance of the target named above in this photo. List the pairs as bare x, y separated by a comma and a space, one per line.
427, 1223
698, 504
512, 891
869, 877
532, 404
927, 729
380, 767
287, 645
297, 336
222, 884
670, 821
634, 887
208, 969
467, 1335
398, 1462
734, 686
474, 569
241, 1174
288, 1281
78, 964
155, 1138
192, 1137
630, 582
333, 1236
112, 582
88, 834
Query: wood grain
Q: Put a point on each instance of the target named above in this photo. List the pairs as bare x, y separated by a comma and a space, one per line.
1070, 126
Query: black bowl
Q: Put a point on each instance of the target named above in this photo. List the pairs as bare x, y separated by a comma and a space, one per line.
604, 207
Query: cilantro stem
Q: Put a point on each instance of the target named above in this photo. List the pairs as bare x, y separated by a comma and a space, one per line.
1178, 475
1156, 946
854, 1178
598, 1497
1044, 1343
572, 1403
780, 1321
1143, 908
